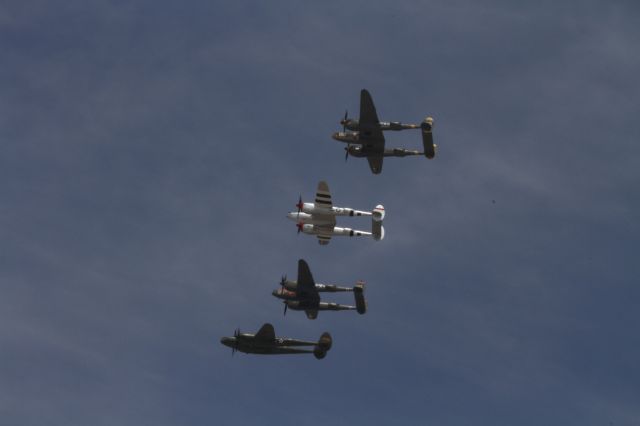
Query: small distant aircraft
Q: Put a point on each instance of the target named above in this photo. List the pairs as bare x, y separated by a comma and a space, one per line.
265, 342
366, 138
319, 218
303, 294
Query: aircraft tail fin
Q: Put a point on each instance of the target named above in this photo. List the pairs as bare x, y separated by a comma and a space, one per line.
377, 215
323, 345
358, 293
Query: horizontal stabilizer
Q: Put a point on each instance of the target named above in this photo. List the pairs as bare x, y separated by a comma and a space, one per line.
427, 138
361, 303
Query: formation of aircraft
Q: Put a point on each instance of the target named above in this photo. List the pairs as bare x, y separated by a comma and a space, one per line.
366, 137
265, 342
319, 218
304, 294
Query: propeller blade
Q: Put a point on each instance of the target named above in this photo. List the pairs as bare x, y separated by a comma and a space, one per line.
346, 153
285, 308
299, 225
300, 205
344, 121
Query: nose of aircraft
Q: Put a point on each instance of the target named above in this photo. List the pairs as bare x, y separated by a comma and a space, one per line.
226, 341
291, 215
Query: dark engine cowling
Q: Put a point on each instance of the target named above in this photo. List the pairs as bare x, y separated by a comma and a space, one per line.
395, 125
293, 304
290, 285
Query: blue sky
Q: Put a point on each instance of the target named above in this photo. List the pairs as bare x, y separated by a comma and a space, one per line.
151, 150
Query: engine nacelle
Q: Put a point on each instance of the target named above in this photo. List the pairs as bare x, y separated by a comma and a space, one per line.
293, 304
290, 285
306, 228
378, 213
348, 137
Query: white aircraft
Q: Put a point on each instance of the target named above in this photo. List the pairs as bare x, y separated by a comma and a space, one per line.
319, 218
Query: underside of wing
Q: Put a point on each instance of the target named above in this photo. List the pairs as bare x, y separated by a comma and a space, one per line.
375, 163
306, 284
266, 333
368, 114
370, 133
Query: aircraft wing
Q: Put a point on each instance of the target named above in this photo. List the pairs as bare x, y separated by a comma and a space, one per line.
306, 286
323, 200
368, 114
323, 196
266, 333
371, 136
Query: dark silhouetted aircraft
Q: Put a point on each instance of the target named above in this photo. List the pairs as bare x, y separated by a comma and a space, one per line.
366, 138
265, 342
304, 294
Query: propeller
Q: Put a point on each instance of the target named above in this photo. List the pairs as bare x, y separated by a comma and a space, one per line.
300, 225
236, 334
300, 205
285, 307
344, 122
283, 281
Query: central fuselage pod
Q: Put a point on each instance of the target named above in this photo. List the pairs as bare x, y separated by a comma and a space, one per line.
310, 213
